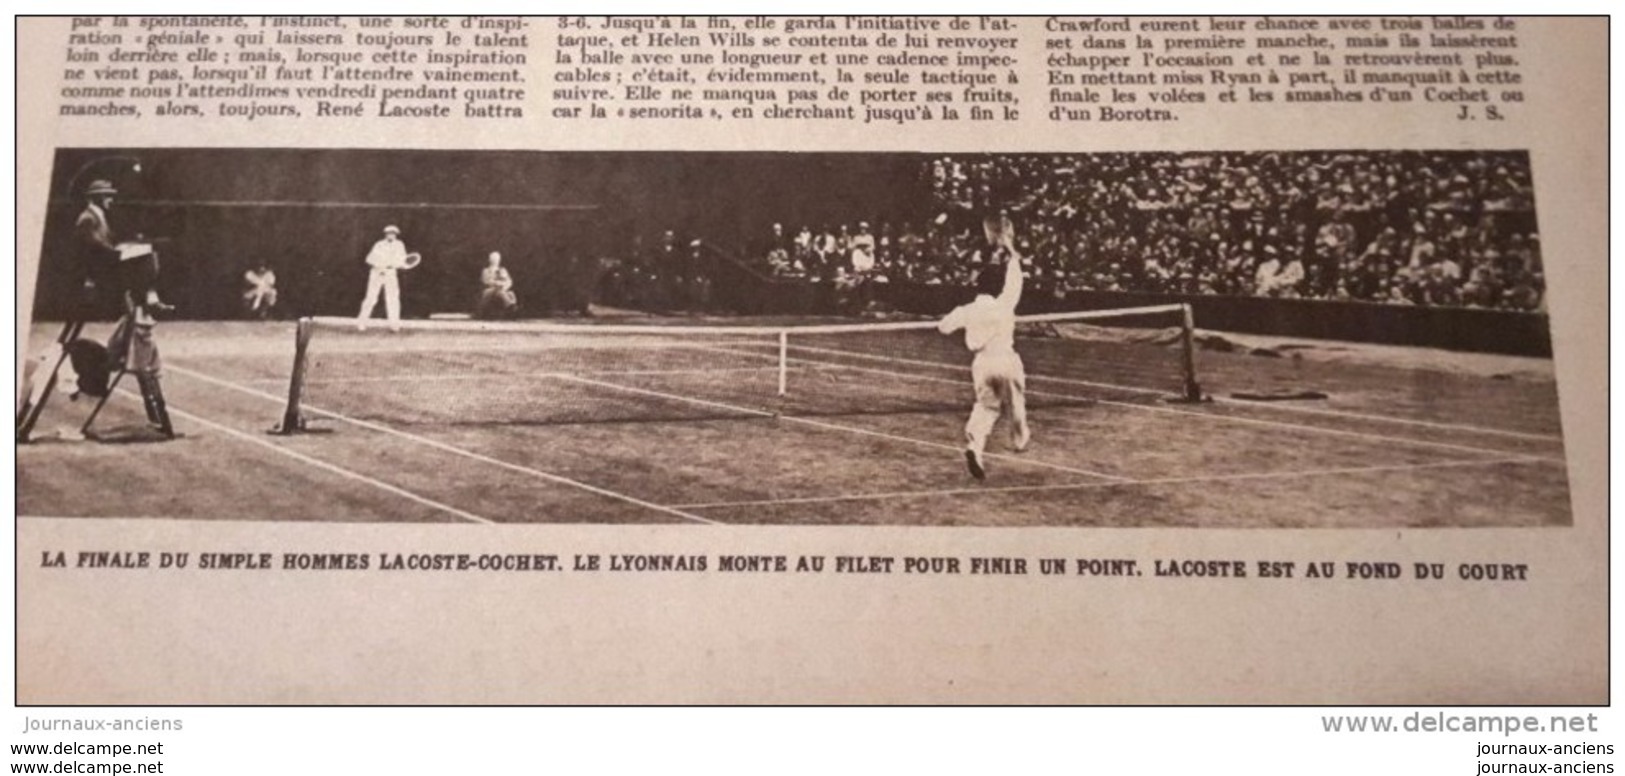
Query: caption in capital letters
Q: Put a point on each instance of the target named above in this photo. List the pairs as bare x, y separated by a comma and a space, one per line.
158, 561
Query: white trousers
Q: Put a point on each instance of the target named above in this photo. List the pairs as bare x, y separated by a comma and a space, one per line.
1001, 386
382, 280
260, 298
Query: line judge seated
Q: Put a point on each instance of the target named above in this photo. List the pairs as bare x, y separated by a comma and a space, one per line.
259, 298
497, 299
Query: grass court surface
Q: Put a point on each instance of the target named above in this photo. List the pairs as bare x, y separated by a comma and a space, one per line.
428, 426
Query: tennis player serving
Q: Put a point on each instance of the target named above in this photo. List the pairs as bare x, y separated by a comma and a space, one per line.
996, 371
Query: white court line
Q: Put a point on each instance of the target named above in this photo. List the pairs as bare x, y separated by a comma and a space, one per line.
905, 494
410, 347
318, 463
1223, 399
477, 376
1386, 419
837, 427
537, 473
1147, 408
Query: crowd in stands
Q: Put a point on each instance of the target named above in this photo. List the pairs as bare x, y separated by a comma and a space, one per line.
1422, 228
674, 275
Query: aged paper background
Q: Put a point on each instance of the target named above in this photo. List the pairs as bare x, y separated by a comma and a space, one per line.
111, 637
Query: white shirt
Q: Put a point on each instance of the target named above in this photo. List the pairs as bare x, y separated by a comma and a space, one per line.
1290, 275
863, 259
387, 254
261, 281
989, 322
1265, 277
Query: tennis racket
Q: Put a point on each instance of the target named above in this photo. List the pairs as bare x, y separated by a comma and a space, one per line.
412, 260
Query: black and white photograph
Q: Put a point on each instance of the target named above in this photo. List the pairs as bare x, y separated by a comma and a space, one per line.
1164, 393
1339, 339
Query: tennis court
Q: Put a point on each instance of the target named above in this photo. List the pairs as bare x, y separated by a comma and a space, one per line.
433, 424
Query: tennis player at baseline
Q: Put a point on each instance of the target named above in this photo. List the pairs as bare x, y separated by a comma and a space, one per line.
387, 258
996, 371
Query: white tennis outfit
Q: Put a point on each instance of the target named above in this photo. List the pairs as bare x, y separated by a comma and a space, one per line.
996, 371
386, 257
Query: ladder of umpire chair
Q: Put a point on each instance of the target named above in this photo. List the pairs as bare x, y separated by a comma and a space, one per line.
127, 323
146, 385
112, 385
31, 410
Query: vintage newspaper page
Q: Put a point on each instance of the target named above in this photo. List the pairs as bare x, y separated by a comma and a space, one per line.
963, 359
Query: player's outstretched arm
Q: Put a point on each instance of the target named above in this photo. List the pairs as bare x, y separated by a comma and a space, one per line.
1014, 278
953, 321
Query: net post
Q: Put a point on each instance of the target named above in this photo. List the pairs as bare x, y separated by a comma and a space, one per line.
784, 362
293, 420
1187, 347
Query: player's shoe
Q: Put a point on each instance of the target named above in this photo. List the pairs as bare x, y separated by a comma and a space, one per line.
157, 305
1021, 438
973, 461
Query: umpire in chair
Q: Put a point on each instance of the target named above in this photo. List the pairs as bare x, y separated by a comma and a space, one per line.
121, 277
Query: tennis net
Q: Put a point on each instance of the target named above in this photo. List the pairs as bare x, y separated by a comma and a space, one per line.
473, 373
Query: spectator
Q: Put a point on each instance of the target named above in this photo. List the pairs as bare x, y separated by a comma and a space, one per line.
863, 250
1405, 226
697, 273
260, 297
667, 272
497, 299
1267, 280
